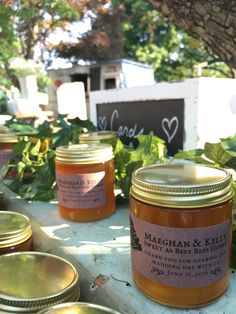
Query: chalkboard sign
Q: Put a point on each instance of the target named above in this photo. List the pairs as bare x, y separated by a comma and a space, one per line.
164, 117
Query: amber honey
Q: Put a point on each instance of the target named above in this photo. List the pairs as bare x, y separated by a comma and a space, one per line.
181, 225
85, 181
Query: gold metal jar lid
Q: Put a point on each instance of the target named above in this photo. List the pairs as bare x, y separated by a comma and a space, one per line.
84, 153
97, 136
78, 307
31, 281
181, 185
15, 228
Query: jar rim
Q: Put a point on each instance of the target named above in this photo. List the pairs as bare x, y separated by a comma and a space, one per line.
98, 135
15, 228
84, 153
73, 306
181, 185
19, 294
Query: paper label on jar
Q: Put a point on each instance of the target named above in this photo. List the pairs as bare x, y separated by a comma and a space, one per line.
5, 156
81, 190
180, 257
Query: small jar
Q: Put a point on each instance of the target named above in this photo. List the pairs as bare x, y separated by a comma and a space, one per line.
15, 232
78, 307
181, 226
31, 281
109, 137
85, 181
7, 142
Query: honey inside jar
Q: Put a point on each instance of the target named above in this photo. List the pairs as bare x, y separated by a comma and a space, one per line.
85, 180
181, 225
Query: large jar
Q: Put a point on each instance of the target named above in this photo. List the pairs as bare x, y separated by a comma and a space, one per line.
15, 232
31, 281
85, 181
181, 225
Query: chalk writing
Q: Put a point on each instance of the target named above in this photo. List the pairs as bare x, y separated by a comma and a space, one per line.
123, 130
170, 127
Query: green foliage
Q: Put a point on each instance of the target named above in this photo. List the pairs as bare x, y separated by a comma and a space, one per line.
25, 24
43, 81
34, 155
152, 39
150, 150
129, 29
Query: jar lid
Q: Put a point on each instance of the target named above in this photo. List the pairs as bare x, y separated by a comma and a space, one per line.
31, 281
84, 153
97, 136
15, 228
78, 307
181, 185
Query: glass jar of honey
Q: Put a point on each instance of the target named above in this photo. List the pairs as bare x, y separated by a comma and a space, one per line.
15, 232
85, 181
181, 226
7, 141
32, 281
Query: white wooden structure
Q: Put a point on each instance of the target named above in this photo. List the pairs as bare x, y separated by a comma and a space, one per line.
120, 73
209, 106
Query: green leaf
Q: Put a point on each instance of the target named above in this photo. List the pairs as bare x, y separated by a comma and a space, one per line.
62, 137
36, 148
22, 129
132, 166
194, 155
216, 153
229, 147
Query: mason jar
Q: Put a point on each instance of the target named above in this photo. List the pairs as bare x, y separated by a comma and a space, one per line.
181, 226
85, 181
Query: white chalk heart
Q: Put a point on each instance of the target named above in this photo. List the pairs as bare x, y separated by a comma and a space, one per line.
102, 123
170, 127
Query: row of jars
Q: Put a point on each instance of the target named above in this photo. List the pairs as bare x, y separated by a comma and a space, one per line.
36, 281
180, 220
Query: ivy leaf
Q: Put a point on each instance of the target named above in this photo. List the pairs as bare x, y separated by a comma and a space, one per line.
229, 147
24, 129
132, 166
62, 137
216, 153
36, 148
194, 155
